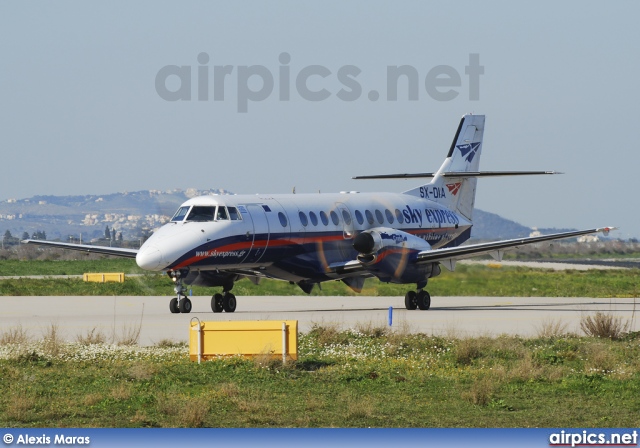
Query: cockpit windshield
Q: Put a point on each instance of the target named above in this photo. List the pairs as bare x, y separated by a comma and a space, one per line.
180, 214
206, 213
201, 213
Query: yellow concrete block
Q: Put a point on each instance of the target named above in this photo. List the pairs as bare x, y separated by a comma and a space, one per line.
244, 338
103, 278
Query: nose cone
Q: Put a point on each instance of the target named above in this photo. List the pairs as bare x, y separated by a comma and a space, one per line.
150, 258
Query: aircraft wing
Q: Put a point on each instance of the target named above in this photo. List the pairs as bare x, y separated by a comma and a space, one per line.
448, 256
496, 248
117, 251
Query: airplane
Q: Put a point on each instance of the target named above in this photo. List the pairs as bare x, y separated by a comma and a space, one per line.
308, 239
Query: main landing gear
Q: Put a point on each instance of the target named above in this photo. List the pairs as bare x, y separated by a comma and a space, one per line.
420, 299
223, 302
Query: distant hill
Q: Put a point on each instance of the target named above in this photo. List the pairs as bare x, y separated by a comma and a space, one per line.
133, 213
489, 226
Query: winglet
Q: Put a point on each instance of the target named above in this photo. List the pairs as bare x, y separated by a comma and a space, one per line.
605, 230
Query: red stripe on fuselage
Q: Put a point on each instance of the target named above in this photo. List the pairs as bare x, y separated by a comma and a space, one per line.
261, 244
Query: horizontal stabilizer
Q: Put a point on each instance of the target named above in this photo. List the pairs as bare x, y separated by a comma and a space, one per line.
457, 174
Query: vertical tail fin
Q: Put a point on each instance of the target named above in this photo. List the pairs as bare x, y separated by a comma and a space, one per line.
458, 194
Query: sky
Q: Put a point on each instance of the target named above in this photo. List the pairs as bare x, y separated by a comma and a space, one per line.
262, 97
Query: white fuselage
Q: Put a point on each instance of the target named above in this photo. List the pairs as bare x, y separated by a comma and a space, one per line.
293, 236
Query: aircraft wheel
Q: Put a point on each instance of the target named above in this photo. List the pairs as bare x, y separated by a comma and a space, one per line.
185, 305
217, 303
410, 300
229, 302
424, 300
173, 306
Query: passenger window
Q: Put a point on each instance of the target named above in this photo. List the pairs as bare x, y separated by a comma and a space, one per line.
369, 216
359, 217
324, 218
283, 219
201, 213
303, 219
347, 217
399, 216
334, 217
222, 213
313, 218
389, 216
180, 214
379, 217
233, 214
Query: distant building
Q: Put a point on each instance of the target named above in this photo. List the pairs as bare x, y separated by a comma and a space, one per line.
588, 239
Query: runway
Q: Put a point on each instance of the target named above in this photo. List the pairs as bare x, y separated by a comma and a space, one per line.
453, 316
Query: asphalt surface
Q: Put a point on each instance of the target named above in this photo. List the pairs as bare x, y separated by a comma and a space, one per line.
453, 316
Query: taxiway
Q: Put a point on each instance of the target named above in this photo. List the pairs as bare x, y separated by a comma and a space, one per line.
454, 316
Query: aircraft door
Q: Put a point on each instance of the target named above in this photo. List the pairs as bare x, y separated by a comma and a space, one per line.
348, 226
295, 228
260, 233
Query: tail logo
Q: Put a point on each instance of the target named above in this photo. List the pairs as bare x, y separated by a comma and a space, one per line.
469, 150
454, 188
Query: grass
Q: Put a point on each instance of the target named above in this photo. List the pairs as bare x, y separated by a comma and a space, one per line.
366, 377
604, 325
369, 376
68, 267
467, 280
552, 328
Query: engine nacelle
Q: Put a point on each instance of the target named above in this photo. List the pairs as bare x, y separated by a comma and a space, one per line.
371, 244
390, 255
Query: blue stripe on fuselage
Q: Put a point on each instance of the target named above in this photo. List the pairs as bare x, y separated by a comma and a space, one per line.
315, 250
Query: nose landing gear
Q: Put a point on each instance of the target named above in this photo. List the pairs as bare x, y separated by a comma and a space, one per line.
182, 305
179, 304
